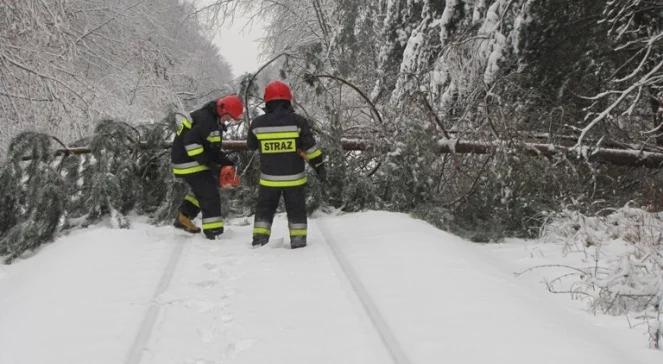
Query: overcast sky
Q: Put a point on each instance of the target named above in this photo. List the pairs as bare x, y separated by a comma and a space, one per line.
238, 44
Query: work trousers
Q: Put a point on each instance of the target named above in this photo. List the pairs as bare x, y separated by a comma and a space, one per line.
295, 206
204, 196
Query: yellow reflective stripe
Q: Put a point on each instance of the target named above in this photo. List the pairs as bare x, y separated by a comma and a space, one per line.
195, 152
261, 231
315, 153
194, 201
191, 170
292, 183
186, 123
214, 139
298, 232
213, 225
283, 135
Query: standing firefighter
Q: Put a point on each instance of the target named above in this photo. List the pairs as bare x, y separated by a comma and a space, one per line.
196, 155
284, 140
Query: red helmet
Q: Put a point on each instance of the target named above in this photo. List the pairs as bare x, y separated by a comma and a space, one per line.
277, 90
231, 105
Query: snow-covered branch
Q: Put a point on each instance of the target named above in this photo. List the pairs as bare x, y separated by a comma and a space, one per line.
644, 81
65, 64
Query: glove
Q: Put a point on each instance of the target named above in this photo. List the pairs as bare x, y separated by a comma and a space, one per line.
321, 172
228, 177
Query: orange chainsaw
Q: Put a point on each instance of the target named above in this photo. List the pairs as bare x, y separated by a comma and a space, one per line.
228, 177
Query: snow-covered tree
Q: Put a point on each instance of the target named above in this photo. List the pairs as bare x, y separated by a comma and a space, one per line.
65, 64
484, 70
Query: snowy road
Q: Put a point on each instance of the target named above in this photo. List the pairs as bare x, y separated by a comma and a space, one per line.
372, 287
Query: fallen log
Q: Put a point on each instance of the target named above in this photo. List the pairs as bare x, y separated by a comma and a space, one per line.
616, 156
229, 145
621, 157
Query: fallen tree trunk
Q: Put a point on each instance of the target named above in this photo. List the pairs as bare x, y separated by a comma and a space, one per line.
616, 156
229, 145
621, 157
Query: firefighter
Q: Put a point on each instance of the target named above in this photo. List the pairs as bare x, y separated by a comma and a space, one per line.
284, 141
196, 156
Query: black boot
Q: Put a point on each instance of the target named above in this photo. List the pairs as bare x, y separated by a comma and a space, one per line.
297, 242
213, 234
259, 240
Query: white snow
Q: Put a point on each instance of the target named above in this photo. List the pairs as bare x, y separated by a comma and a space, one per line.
493, 49
447, 16
372, 287
448, 143
523, 20
479, 8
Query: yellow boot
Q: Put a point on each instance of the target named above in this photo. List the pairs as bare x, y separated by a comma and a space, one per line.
184, 222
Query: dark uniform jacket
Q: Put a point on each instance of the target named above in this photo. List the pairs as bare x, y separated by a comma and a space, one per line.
284, 140
197, 145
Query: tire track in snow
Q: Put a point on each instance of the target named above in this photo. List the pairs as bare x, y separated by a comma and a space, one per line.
382, 328
135, 354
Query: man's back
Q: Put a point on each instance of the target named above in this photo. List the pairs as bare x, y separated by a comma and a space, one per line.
280, 136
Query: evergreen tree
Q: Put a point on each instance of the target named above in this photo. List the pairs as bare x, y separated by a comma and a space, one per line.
32, 194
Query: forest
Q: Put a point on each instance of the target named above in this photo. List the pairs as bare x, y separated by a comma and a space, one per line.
483, 117
486, 118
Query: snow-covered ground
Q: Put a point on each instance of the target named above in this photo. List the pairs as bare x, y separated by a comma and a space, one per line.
372, 287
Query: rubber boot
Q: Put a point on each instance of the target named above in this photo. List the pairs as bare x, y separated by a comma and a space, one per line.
259, 240
213, 234
297, 242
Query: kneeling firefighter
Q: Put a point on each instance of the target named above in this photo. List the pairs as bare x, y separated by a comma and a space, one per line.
196, 156
284, 141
